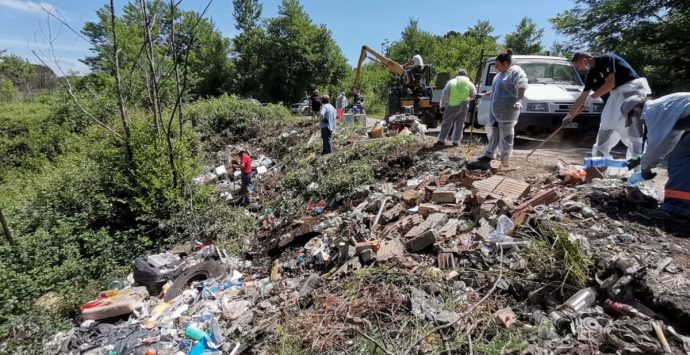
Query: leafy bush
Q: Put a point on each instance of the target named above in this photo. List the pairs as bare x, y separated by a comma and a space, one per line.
230, 119
28, 136
7, 92
81, 216
213, 220
336, 174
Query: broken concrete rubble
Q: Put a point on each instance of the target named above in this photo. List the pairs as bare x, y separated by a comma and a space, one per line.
410, 197
421, 241
502, 186
326, 278
443, 196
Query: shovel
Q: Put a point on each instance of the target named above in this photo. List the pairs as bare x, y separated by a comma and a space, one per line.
544, 141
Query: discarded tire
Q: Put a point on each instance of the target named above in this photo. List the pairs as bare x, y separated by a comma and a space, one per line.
198, 272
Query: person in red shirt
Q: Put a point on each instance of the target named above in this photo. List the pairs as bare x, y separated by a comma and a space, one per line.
246, 170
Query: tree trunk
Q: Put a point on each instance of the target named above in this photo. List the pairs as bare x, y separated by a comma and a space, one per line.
178, 102
118, 86
150, 56
6, 229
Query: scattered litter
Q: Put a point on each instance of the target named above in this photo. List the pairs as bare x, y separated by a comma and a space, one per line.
426, 244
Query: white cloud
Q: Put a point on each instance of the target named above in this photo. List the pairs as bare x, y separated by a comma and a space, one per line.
28, 6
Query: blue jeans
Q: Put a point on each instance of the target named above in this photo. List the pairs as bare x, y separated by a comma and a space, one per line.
244, 190
679, 178
326, 136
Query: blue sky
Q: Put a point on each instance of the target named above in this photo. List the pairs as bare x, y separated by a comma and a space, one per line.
25, 26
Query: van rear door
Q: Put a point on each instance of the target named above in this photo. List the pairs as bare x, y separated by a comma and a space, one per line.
488, 74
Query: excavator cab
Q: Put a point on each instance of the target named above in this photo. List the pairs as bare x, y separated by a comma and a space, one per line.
412, 92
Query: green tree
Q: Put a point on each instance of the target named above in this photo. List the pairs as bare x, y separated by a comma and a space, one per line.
651, 34
7, 92
482, 32
448, 52
526, 39
248, 48
16, 69
411, 38
287, 56
197, 40
246, 13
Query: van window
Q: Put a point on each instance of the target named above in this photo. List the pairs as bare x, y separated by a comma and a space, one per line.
551, 73
492, 74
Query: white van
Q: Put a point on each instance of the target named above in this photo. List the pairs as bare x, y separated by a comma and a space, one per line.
554, 85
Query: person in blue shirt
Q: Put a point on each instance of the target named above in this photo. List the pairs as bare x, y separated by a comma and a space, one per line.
327, 123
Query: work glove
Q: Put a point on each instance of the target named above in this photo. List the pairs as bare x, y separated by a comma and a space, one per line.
647, 174
517, 106
568, 119
589, 102
634, 163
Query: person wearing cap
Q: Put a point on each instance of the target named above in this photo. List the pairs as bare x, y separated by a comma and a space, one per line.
245, 175
455, 100
327, 123
611, 77
667, 120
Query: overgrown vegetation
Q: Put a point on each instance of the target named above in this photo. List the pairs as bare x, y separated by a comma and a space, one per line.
80, 212
230, 119
557, 259
336, 175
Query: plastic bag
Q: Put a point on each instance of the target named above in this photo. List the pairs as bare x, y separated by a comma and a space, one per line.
503, 227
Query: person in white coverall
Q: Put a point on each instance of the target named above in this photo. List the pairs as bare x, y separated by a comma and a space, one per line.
611, 77
667, 120
455, 101
507, 91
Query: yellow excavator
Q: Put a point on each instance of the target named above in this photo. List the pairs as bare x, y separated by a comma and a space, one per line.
411, 94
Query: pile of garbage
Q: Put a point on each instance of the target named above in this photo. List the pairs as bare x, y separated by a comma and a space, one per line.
171, 303
435, 256
226, 175
404, 124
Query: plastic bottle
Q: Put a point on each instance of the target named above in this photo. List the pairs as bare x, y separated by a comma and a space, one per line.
195, 333
503, 227
116, 284
575, 305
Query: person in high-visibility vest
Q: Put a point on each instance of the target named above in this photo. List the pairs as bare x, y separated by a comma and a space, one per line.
668, 135
455, 102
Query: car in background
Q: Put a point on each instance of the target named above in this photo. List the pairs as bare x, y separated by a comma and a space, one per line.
302, 107
257, 102
554, 85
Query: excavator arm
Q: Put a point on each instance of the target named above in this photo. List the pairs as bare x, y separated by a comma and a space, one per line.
377, 58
